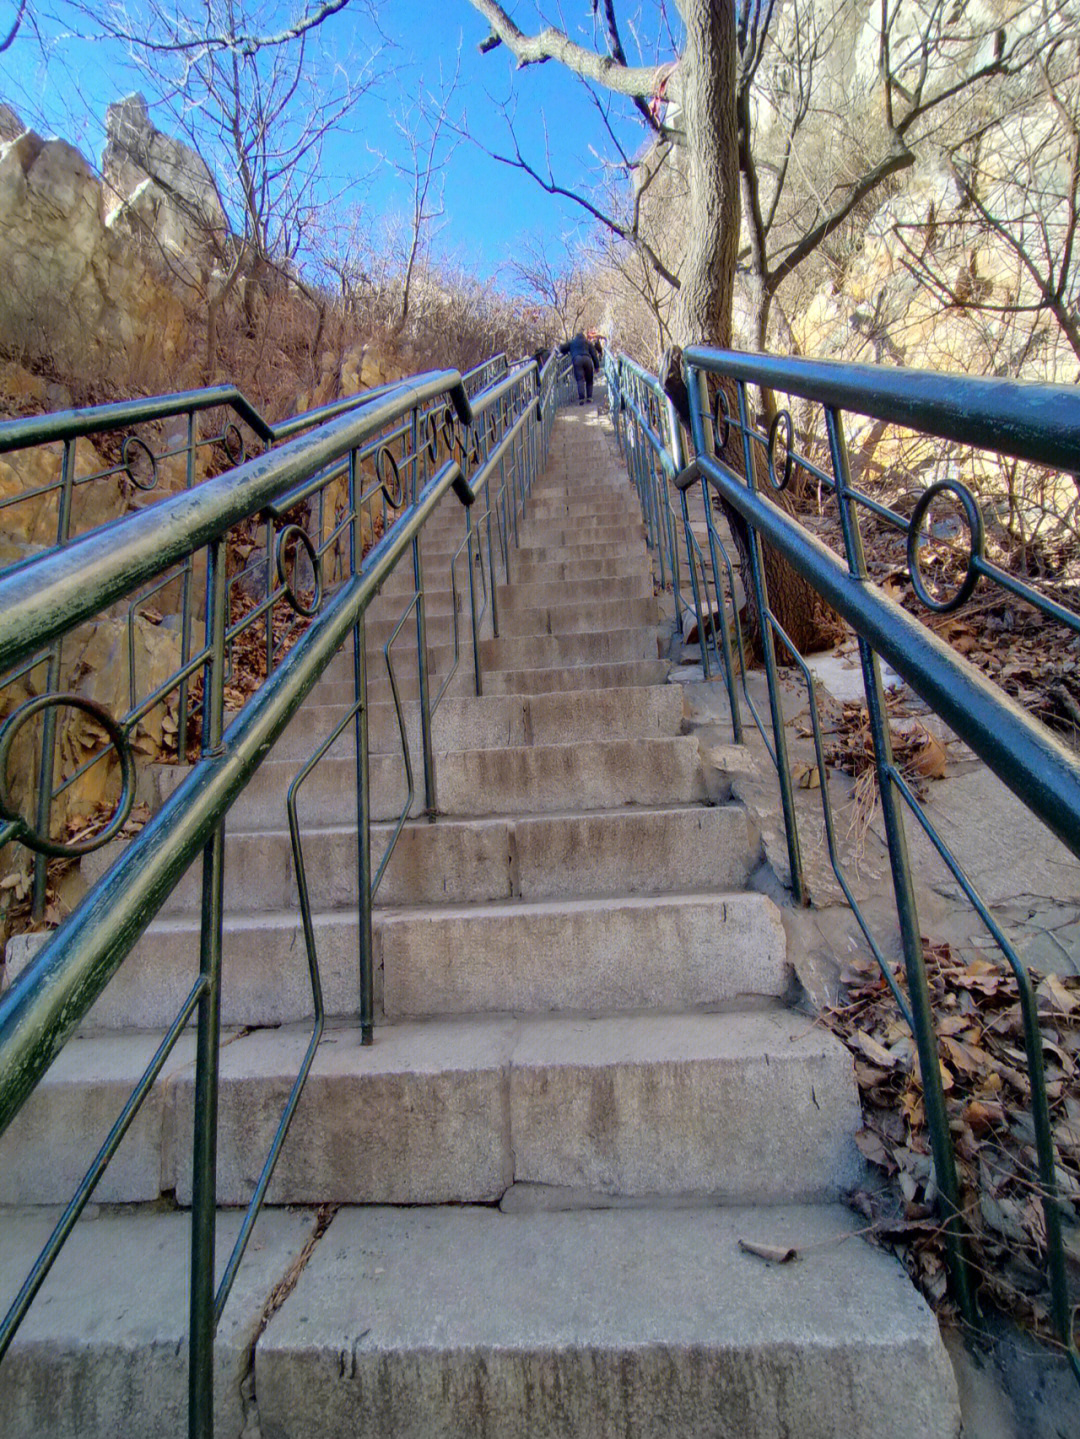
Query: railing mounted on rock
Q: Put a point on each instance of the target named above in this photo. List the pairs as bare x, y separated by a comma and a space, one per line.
342, 498
1034, 424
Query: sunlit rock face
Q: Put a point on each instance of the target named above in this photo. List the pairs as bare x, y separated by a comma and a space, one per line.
76, 294
163, 184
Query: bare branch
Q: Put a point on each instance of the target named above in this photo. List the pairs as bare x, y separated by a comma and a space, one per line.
9, 39
552, 44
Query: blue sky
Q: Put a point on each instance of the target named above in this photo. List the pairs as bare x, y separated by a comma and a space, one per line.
489, 208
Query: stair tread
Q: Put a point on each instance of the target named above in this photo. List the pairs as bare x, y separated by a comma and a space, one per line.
665, 1306
619, 1308
569, 904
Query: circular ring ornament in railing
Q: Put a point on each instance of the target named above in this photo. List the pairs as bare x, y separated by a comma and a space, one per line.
27, 835
432, 436
232, 442
132, 451
721, 415
492, 429
305, 542
782, 418
976, 543
448, 430
395, 491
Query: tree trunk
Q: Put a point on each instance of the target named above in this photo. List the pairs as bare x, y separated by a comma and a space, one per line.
703, 311
707, 90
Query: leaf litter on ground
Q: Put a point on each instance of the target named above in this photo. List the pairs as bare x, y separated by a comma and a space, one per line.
978, 1021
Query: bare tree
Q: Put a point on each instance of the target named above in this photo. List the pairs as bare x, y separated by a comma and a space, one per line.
800, 190
701, 82
700, 86
258, 113
424, 133
1002, 243
558, 283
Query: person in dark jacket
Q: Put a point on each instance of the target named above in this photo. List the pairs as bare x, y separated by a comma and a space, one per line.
586, 361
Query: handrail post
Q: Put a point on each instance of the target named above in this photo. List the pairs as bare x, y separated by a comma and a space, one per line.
937, 1119
761, 599
186, 597
204, 1145
363, 835
478, 678
47, 768
430, 798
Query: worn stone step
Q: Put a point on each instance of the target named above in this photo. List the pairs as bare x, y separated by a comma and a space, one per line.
557, 650
592, 645
734, 948
619, 530
570, 616
528, 681
593, 955
431, 1324
557, 569
599, 500
649, 1323
450, 1111
597, 774
748, 1106
103, 1350
552, 551
572, 677
517, 597
495, 721
573, 614
631, 851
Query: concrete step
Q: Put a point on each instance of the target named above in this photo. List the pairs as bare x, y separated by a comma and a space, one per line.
518, 597
622, 532
734, 948
573, 677
523, 596
630, 851
495, 721
533, 570
583, 1326
597, 646
597, 774
573, 615
407, 1324
594, 645
529, 681
593, 955
553, 551
751, 1106
570, 616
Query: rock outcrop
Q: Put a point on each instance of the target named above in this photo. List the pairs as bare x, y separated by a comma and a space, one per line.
158, 183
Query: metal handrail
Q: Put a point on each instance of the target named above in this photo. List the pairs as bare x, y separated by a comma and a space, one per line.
46, 597
68, 428
1038, 424
650, 441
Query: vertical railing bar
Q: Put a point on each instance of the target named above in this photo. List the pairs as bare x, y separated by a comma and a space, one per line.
365, 981
47, 768
187, 595
427, 746
757, 566
204, 1146
904, 891
478, 679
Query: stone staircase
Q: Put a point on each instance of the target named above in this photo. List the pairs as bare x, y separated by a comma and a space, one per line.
525, 1209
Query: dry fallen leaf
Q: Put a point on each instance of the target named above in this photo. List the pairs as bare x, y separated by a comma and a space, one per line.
1052, 993
931, 761
772, 1253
